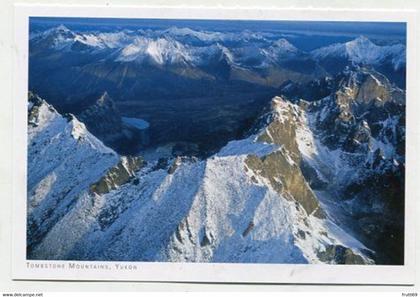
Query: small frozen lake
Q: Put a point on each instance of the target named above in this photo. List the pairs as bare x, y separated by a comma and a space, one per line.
136, 122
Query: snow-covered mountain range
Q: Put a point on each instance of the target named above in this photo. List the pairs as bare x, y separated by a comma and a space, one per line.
220, 209
289, 192
140, 69
362, 51
184, 45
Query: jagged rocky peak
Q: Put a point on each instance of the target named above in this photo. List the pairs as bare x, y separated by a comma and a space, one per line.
55, 38
45, 119
35, 109
360, 47
60, 31
363, 99
40, 112
360, 128
103, 119
363, 51
283, 167
282, 48
102, 106
33, 99
34, 103
282, 121
61, 28
105, 99
389, 59
364, 114
366, 85
78, 129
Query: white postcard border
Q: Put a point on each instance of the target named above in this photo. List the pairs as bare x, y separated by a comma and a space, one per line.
205, 272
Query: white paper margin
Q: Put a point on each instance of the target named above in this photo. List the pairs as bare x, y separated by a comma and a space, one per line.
209, 272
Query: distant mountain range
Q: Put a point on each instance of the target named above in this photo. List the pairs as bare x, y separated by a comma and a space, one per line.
141, 68
186, 46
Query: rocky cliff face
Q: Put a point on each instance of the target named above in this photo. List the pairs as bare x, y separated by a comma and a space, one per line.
282, 167
360, 132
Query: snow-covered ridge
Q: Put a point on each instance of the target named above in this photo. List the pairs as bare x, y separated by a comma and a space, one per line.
160, 51
64, 159
62, 38
214, 36
363, 51
167, 50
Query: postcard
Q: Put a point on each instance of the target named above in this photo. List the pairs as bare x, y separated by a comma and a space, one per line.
213, 145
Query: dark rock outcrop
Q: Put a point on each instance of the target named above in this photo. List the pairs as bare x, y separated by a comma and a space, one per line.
338, 254
118, 175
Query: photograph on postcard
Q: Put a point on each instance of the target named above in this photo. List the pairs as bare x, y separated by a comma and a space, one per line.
221, 141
